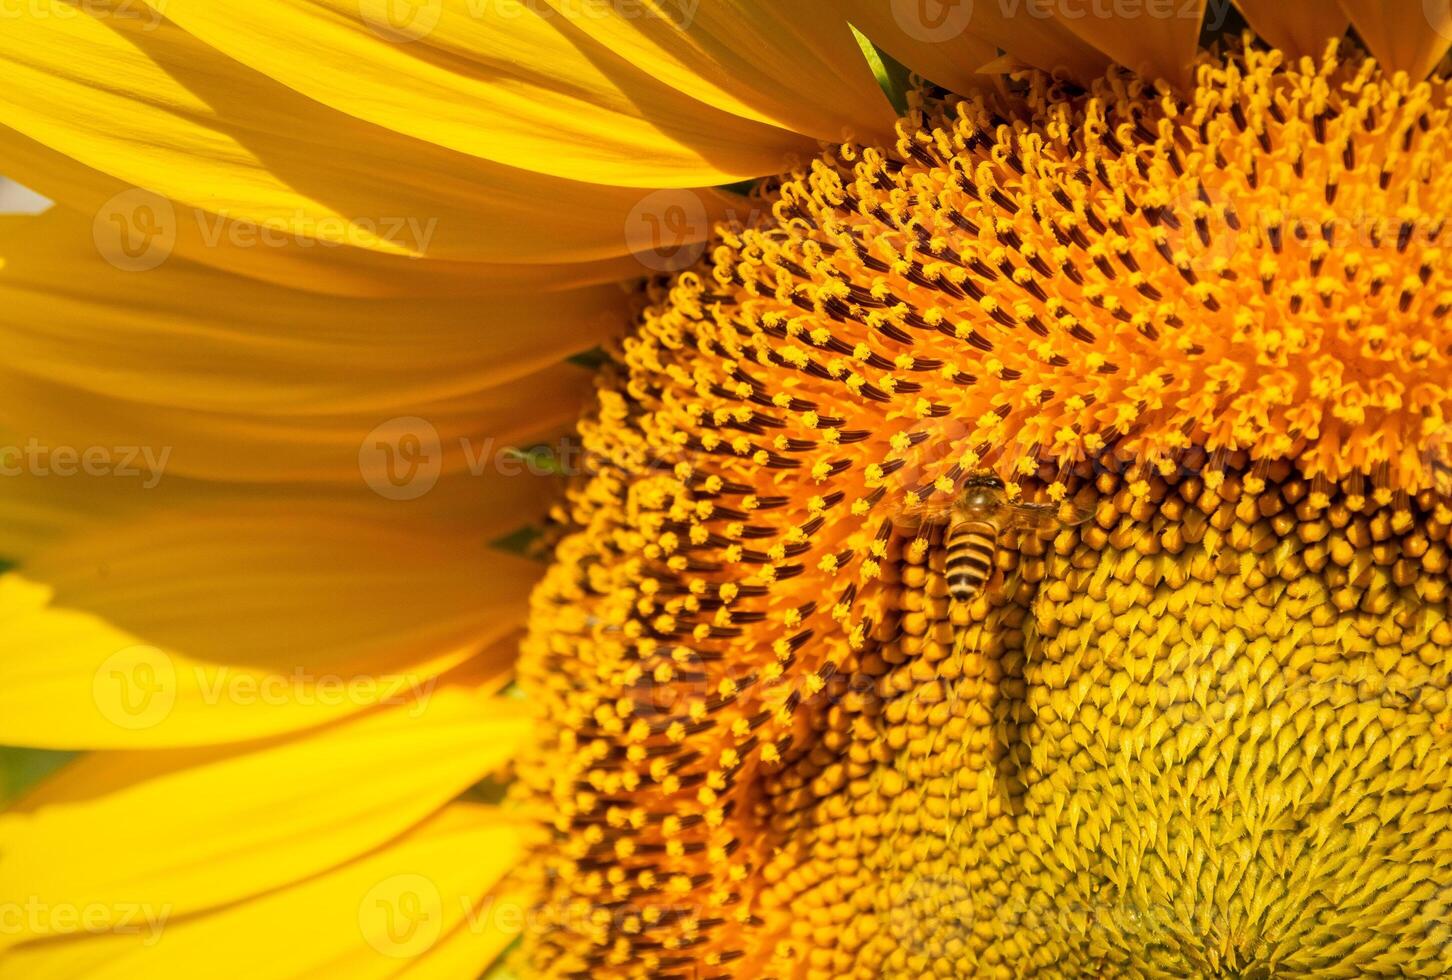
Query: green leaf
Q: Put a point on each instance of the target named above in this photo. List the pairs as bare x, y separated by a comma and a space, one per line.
742, 187
526, 542
892, 75
539, 459
21, 769
499, 971
488, 790
589, 359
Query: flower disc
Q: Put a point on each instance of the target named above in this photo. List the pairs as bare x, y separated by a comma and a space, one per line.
1205, 732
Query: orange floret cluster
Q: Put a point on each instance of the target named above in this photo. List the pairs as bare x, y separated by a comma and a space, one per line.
1205, 733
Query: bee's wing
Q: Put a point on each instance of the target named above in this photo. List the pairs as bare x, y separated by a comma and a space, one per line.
916, 517
1046, 517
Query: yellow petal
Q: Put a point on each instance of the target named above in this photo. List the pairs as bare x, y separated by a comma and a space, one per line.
300, 262
1156, 38
949, 40
794, 65
480, 942
154, 107
161, 631
196, 829
402, 446
1300, 28
507, 81
902, 32
1404, 35
378, 915
233, 378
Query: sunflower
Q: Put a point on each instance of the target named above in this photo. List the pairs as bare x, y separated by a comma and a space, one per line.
334, 291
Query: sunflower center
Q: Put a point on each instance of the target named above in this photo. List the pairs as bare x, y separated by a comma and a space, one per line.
1206, 731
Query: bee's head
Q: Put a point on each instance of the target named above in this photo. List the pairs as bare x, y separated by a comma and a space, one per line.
982, 493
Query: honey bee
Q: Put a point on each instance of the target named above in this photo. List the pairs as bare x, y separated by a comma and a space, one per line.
975, 518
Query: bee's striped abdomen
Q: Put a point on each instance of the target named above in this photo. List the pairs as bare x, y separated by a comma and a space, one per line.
971, 548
